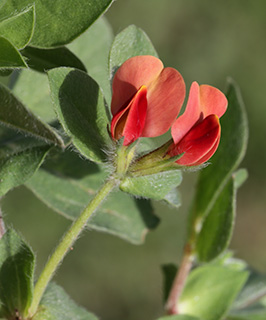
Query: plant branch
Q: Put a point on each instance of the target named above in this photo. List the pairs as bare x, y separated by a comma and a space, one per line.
179, 281
66, 243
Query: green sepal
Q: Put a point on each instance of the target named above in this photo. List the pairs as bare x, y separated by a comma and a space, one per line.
17, 263
18, 29
130, 42
57, 305
80, 107
210, 291
10, 56
45, 59
154, 186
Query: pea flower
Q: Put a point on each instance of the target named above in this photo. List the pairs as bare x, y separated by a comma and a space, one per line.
196, 133
146, 99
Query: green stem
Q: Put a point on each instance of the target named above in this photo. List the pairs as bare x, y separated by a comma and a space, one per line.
66, 243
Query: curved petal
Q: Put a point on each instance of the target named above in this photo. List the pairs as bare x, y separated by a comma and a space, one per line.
165, 97
199, 143
129, 122
203, 101
132, 74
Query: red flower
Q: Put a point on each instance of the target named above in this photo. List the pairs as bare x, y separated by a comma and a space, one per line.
146, 99
196, 133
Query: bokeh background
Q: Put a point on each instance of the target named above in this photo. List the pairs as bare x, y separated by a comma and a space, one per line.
206, 41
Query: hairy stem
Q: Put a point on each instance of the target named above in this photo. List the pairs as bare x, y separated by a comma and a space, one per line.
66, 243
179, 281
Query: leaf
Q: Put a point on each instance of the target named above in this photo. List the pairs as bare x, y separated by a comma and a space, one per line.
130, 42
252, 313
57, 305
179, 317
17, 264
79, 105
18, 29
214, 184
67, 184
210, 291
253, 291
92, 48
154, 186
13, 114
173, 198
45, 59
40, 104
58, 22
17, 168
9, 55
230, 153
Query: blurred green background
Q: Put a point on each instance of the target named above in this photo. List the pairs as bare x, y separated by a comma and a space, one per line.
206, 41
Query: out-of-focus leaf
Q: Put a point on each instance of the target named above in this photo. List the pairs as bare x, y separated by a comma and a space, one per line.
13, 114
173, 198
80, 107
210, 291
17, 264
18, 29
39, 103
253, 291
252, 313
58, 22
68, 183
179, 317
130, 42
92, 48
215, 189
10, 56
57, 305
154, 186
45, 59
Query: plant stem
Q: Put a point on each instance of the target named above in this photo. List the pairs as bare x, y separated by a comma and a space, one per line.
179, 281
2, 225
66, 243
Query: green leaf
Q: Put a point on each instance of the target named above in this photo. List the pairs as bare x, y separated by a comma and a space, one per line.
67, 184
92, 48
18, 29
179, 317
230, 153
80, 107
214, 186
155, 186
57, 305
17, 168
253, 291
45, 59
13, 114
58, 22
10, 56
210, 291
131, 42
40, 104
252, 313
169, 273
17, 264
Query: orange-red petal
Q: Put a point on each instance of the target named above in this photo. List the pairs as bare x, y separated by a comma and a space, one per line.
203, 101
199, 144
166, 94
129, 122
132, 74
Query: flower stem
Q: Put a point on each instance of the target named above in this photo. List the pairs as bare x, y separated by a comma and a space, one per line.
179, 281
66, 243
